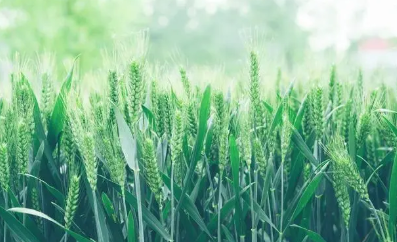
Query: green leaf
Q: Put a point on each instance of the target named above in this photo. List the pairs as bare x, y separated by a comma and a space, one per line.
259, 211
393, 199
296, 171
58, 114
198, 146
227, 233
29, 211
41, 138
127, 141
114, 227
301, 145
391, 126
30, 224
57, 194
277, 118
312, 235
352, 142
131, 228
99, 214
268, 106
109, 209
17, 227
235, 161
148, 217
188, 205
299, 116
306, 195
150, 117
226, 209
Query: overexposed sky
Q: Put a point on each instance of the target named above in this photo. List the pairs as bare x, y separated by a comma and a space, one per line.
338, 22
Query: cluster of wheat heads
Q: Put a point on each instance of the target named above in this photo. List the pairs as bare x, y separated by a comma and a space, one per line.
140, 161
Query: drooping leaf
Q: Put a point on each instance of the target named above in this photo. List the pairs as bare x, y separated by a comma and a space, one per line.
17, 227
29, 211
311, 234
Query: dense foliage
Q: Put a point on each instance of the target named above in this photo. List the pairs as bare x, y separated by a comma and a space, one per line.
140, 161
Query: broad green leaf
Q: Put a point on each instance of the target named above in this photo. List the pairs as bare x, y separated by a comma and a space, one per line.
108, 206
58, 114
114, 227
297, 167
57, 194
299, 116
17, 227
277, 118
150, 117
312, 235
235, 162
393, 198
131, 228
352, 142
268, 106
127, 141
29, 211
301, 145
30, 224
391, 126
306, 195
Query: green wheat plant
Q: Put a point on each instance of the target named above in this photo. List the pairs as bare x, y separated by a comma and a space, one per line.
128, 155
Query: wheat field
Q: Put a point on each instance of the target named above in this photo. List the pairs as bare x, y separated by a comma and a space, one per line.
140, 160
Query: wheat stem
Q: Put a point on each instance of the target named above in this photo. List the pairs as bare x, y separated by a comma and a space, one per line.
219, 207
172, 203
139, 201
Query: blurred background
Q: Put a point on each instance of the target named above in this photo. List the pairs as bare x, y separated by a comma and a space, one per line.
290, 33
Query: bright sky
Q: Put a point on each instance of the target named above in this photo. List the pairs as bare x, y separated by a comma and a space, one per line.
331, 22
338, 22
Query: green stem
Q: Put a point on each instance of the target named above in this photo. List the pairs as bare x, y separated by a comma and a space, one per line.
177, 227
270, 217
219, 208
316, 154
282, 200
24, 198
98, 226
172, 203
253, 229
377, 218
162, 220
139, 201
124, 207
5, 207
